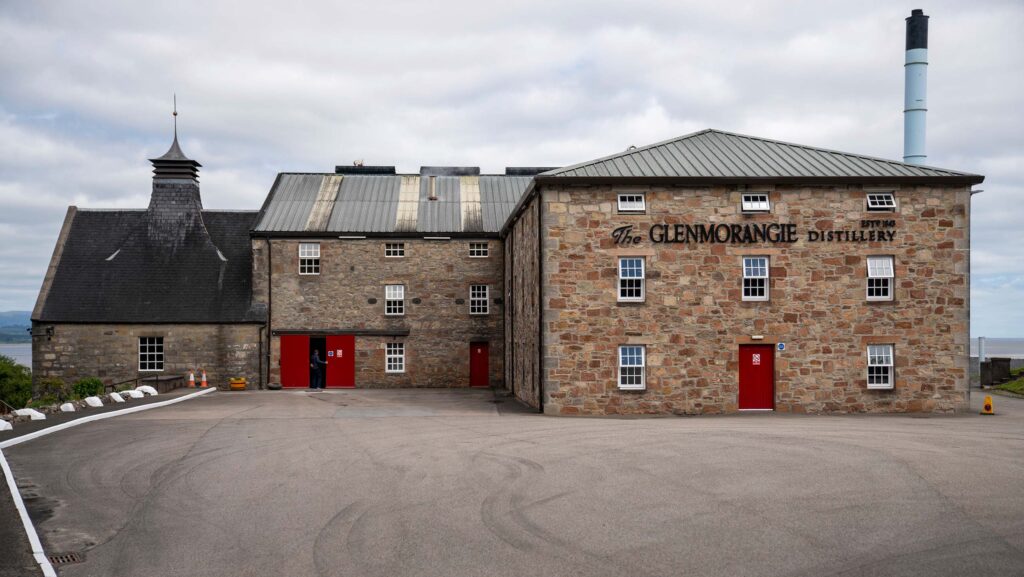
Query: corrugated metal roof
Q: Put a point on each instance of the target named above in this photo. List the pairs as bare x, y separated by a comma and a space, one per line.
390, 203
716, 154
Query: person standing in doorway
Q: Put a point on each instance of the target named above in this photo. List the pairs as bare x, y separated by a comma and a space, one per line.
318, 370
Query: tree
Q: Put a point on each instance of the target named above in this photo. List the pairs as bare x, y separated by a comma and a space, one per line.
15, 383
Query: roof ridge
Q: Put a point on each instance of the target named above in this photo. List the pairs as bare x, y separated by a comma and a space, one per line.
626, 152
818, 149
834, 151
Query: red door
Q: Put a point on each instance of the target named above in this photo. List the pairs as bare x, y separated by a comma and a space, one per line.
479, 375
294, 361
757, 377
341, 361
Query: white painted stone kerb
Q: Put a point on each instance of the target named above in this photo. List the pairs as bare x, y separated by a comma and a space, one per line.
30, 529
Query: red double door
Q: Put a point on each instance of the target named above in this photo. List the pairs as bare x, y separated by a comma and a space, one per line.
757, 377
339, 352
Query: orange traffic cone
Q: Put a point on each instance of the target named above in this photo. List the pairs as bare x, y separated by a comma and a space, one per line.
191, 380
986, 407
203, 384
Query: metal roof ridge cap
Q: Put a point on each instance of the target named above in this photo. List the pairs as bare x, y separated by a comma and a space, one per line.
834, 151
623, 153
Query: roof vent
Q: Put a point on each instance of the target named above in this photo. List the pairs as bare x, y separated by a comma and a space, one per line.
361, 169
527, 170
449, 171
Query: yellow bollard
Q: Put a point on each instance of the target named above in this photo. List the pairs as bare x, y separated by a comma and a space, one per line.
987, 409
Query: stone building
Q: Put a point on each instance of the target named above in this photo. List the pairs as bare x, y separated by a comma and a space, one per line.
717, 272
395, 278
158, 291
711, 273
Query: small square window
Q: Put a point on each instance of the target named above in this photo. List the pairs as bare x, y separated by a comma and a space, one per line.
394, 249
631, 367
757, 202
631, 279
632, 203
394, 300
151, 353
478, 249
478, 299
881, 201
755, 278
880, 371
309, 258
880, 278
394, 358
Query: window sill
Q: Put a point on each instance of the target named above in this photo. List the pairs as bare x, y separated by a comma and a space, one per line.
880, 387
631, 389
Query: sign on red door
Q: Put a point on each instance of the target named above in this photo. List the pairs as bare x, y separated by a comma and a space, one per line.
479, 375
295, 361
757, 377
341, 361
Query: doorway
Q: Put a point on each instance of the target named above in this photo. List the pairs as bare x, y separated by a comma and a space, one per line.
318, 344
757, 378
479, 366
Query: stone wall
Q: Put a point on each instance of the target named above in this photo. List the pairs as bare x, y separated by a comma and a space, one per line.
348, 297
110, 351
522, 320
693, 319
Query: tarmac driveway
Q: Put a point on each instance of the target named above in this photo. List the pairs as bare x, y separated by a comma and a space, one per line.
450, 483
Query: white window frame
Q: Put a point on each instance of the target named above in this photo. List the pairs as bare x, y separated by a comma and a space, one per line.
755, 202
881, 277
479, 250
394, 358
478, 305
632, 386
394, 250
309, 258
881, 202
394, 300
631, 202
151, 354
753, 277
881, 366
628, 284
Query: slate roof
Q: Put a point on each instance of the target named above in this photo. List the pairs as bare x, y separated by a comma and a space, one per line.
718, 154
389, 204
111, 272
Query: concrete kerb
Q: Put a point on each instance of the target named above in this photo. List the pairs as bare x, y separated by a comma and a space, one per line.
37, 547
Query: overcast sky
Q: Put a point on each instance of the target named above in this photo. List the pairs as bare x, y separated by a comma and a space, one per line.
262, 87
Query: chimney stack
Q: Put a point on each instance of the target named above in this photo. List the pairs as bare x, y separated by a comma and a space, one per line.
915, 95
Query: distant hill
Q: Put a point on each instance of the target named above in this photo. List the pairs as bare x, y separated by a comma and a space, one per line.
13, 325
16, 318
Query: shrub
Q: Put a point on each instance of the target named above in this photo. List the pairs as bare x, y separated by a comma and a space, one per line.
87, 387
15, 383
43, 402
52, 388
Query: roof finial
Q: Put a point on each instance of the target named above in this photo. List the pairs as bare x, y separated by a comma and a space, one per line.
175, 114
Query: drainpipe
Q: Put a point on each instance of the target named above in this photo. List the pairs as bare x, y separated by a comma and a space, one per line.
540, 301
915, 88
270, 301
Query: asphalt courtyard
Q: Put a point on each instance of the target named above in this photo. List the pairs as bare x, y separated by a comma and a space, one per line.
453, 483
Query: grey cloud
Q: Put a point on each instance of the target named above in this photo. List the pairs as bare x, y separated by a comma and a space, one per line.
265, 87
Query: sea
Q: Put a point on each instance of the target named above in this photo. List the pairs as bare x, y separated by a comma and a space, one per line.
1009, 348
20, 352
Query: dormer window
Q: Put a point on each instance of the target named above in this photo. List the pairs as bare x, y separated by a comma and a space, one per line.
881, 202
632, 203
755, 202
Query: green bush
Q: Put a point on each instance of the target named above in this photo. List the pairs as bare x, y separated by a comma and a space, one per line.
15, 383
87, 387
42, 402
52, 388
